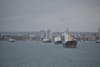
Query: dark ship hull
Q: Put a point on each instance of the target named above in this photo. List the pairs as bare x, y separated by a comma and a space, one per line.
98, 41
58, 42
70, 44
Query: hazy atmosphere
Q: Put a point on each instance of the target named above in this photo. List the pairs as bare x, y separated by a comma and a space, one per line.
35, 15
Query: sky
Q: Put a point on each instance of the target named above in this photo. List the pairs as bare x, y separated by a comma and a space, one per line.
56, 15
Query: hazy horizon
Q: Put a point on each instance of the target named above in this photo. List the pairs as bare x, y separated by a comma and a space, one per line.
57, 15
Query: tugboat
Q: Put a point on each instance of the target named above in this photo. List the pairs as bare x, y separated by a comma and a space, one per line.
98, 37
57, 40
47, 39
69, 40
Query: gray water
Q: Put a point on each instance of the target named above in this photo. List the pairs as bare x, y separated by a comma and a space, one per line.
38, 54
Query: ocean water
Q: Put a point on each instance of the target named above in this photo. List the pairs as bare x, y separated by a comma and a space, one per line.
38, 54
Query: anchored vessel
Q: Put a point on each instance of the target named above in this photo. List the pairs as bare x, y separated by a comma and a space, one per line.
69, 40
11, 40
57, 40
98, 37
47, 38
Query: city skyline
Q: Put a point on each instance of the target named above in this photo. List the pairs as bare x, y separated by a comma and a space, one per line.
57, 15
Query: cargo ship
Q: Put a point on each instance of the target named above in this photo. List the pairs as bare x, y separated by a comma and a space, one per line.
69, 40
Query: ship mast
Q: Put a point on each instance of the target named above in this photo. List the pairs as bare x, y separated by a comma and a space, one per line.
66, 38
69, 36
67, 30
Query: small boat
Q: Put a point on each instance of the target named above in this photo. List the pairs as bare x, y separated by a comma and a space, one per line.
98, 37
47, 38
11, 40
57, 40
97, 41
69, 40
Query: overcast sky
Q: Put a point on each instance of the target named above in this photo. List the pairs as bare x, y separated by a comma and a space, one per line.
35, 15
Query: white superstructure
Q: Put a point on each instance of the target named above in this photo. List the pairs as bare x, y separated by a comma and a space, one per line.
57, 38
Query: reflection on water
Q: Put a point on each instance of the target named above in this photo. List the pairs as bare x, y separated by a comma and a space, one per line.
38, 54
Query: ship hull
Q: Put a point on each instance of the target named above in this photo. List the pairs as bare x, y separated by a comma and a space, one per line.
98, 41
58, 42
11, 41
70, 44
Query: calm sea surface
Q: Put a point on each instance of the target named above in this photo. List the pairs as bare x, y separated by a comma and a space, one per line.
38, 54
